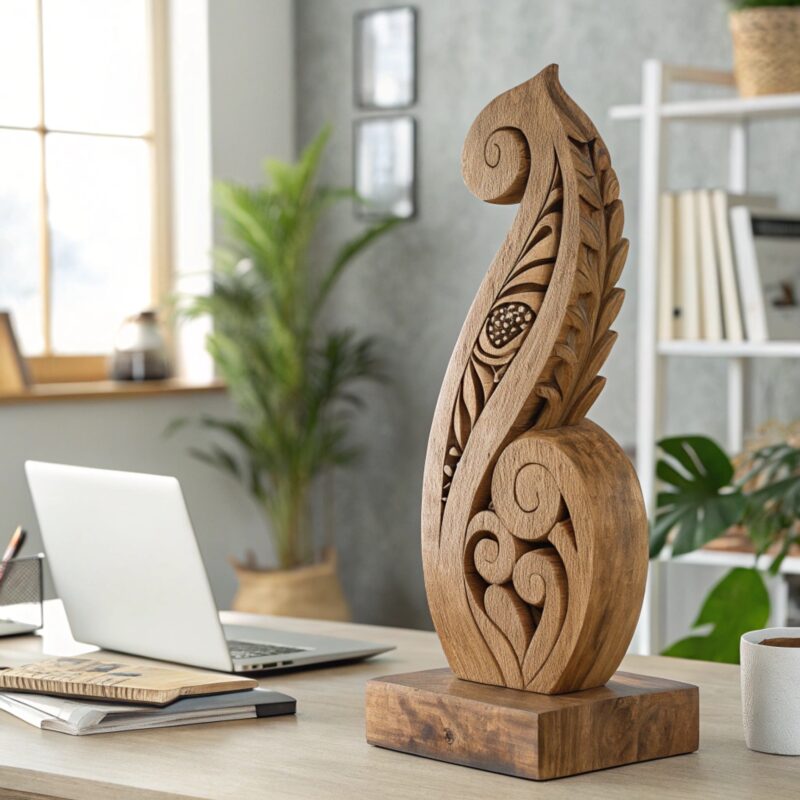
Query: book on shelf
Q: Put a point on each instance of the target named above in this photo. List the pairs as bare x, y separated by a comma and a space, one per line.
711, 301
729, 292
668, 312
767, 251
688, 272
717, 252
113, 680
81, 717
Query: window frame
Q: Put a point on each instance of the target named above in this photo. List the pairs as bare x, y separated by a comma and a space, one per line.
49, 367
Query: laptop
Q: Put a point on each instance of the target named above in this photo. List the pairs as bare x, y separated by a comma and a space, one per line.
126, 565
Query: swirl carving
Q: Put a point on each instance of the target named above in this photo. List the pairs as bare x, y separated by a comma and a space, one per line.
502, 176
517, 575
530, 511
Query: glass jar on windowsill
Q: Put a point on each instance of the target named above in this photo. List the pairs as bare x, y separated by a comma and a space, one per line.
140, 352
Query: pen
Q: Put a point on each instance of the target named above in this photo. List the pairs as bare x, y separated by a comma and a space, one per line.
14, 546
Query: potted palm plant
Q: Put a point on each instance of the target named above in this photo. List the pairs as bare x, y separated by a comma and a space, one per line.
293, 383
766, 46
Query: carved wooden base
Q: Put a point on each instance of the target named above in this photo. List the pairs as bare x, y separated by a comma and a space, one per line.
434, 714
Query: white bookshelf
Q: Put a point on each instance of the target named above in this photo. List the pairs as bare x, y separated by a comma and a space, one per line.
730, 349
733, 109
718, 558
654, 113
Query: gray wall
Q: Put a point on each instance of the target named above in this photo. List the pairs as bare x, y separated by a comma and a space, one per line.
251, 85
413, 290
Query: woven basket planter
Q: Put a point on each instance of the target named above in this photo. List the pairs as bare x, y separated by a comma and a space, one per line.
766, 50
313, 591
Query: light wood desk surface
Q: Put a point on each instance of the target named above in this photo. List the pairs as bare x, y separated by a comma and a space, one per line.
321, 753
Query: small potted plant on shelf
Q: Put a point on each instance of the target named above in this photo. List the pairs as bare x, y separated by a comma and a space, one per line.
766, 46
293, 383
704, 497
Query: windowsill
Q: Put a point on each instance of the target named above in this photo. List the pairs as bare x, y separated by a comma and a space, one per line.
108, 390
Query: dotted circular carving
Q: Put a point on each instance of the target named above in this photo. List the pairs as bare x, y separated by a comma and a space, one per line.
506, 322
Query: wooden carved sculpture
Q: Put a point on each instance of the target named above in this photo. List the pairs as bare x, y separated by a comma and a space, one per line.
533, 526
534, 534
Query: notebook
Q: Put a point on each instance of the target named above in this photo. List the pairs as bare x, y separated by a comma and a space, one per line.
115, 680
80, 718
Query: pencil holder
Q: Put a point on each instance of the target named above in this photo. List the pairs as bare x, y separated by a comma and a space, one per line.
21, 596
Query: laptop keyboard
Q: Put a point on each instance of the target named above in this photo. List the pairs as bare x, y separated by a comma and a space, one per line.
253, 650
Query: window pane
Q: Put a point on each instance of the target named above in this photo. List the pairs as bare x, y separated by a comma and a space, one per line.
99, 192
96, 65
19, 63
19, 236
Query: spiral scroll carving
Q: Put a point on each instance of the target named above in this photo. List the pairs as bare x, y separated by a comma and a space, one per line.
530, 512
502, 174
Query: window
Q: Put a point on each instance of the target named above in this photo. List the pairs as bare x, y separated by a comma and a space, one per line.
83, 189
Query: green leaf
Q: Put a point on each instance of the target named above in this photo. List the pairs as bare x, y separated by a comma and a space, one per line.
700, 501
707, 519
662, 526
701, 457
786, 544
668, 474
215, 456
737, 604
176, 425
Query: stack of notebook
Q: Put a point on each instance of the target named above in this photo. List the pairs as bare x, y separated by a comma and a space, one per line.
87, 695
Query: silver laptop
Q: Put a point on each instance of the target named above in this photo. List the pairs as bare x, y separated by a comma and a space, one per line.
125, 562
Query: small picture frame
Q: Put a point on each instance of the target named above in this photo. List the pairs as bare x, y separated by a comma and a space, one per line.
384, 166
14, 375
385, 58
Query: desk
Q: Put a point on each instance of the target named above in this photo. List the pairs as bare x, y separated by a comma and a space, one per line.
321, 753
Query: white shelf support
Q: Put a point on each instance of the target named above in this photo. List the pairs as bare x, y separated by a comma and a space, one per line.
703, 349
736, 404
651, 179
738, 368
737, 160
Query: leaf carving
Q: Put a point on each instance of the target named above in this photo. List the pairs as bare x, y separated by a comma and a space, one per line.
595, 300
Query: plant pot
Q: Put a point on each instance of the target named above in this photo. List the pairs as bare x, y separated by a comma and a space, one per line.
766, 50
312, 591
770, 700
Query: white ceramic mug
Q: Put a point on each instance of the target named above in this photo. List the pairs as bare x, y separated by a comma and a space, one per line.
771, 692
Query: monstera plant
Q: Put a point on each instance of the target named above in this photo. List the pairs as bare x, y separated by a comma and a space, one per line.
703, 495
293, 382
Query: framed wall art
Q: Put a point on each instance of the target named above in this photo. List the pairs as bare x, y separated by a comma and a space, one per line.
384, 166
385, 58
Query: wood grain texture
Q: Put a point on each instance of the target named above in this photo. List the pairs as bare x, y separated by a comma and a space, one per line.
434, 714
14, 795
322, 753
530, 512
